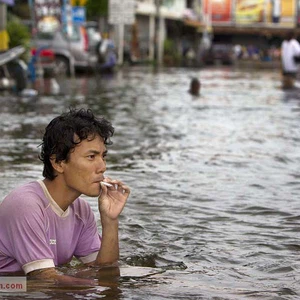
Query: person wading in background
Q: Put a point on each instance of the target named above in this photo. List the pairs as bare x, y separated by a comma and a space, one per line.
290, 48
195, 86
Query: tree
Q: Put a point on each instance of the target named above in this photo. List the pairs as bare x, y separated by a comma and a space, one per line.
19, 35
96, 8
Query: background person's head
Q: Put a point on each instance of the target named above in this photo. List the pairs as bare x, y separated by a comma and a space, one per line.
290, 35
66, 131
195, 87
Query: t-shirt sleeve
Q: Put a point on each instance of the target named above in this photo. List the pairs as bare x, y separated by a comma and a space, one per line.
296, 47
25, 234
89, 242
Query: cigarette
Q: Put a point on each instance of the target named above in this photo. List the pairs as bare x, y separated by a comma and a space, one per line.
106, 183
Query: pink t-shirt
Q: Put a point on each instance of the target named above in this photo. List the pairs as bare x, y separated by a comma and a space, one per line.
35, 233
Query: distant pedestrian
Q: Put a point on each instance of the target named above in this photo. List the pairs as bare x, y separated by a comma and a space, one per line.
107, 58
290, 48
195, 86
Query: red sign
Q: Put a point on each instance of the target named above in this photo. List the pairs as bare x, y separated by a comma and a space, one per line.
219, 10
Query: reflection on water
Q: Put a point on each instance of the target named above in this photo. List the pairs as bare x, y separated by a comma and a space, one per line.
214, 179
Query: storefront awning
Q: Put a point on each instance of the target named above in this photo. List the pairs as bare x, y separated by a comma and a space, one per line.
193, 23
262, 30
8, 2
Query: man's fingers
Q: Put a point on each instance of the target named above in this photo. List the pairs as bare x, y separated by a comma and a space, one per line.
125, 189
103, 189
109, 184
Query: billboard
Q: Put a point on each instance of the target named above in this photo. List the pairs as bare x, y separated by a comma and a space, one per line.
281, 12
47, 15
249, 11
51, 15
219, 10
288, 12
121, 12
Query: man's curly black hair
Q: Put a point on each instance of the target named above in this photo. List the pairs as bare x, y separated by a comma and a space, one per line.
59, 136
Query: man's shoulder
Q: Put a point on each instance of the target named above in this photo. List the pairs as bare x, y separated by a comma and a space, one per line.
32, 187
294, 42
26, 195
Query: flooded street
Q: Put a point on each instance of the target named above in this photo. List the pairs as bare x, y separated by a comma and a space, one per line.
214, 179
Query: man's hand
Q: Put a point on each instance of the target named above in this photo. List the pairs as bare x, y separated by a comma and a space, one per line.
112, 199
51, 274
84, 276
111, 203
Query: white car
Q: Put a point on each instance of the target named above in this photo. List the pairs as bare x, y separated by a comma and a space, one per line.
76, 51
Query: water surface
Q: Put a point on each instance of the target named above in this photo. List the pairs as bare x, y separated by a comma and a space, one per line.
214, 179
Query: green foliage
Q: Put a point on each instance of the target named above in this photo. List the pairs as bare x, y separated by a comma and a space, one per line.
19, 34
169, 46
171, 54
96, 8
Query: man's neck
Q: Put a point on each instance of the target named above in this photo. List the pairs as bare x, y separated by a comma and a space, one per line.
60, 193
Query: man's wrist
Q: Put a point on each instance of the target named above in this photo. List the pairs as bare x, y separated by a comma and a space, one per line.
108, 221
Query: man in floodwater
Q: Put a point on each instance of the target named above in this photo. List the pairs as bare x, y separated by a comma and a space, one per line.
44, 223
195, 86
290, 48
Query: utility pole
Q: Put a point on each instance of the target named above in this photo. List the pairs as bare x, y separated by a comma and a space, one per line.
2, 16
159, 37
121, 44
68, 28
151, 37
3, 33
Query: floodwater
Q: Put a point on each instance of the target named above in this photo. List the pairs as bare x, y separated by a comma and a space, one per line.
215, 180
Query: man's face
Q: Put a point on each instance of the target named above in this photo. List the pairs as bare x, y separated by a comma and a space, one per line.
85, 167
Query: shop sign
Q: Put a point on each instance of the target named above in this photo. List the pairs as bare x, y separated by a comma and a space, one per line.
79, 14
121, 12
281, 13
48, 15
249, 11
218, 10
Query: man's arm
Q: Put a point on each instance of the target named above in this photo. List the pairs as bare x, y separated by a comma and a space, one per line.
111, 203
59, 278
109, 251
296, 47
100, 276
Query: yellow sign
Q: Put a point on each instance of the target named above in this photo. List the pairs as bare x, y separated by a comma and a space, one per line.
281, 12
78, 2
4, 40
249, 11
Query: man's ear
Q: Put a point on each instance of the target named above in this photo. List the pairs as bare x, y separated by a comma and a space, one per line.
56, 165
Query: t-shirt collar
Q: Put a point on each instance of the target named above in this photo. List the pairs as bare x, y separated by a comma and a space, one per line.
55, 207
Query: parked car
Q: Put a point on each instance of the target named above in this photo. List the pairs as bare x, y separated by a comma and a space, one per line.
70, 51
219, 53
